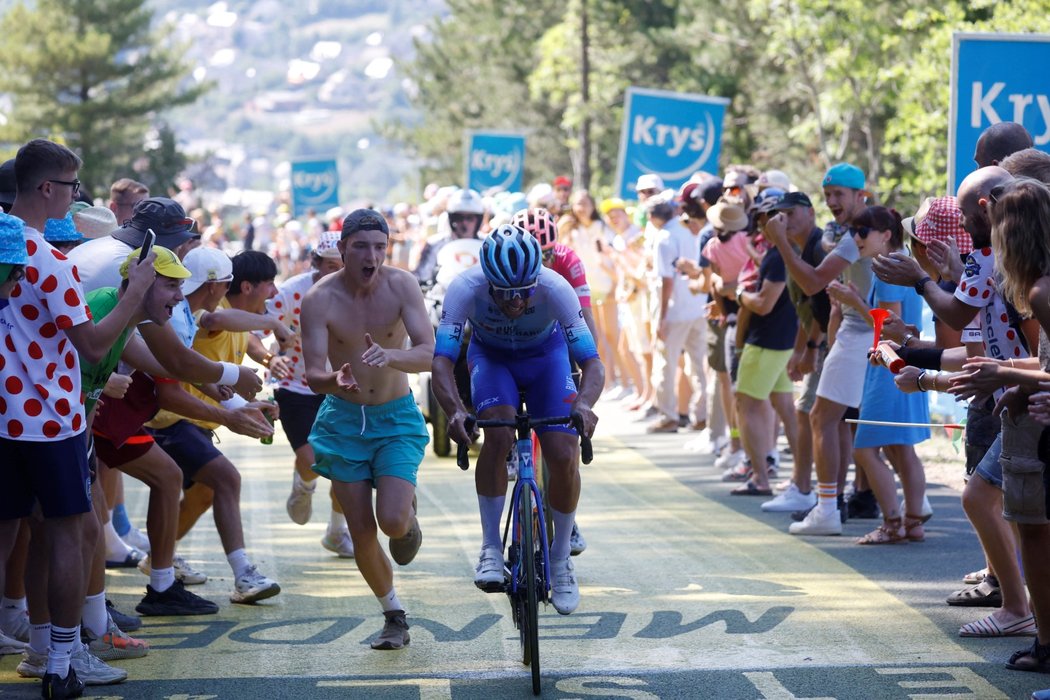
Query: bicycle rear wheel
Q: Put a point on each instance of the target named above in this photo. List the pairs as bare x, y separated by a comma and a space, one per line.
529, 622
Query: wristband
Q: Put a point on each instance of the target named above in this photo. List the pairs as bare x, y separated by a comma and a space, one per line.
230, 374
237, 401
918, 380
812, 345
908, 337
924, 358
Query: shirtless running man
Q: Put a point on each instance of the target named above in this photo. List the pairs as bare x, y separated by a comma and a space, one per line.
369, 432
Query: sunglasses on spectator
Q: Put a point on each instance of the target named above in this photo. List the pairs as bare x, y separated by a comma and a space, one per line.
734, 190
861, 231
504, 294
75, 184
996, 193
548, 255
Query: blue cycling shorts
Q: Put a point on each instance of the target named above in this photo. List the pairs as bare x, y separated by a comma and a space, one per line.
497, 376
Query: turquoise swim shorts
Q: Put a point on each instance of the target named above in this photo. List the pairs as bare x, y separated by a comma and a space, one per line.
353, 442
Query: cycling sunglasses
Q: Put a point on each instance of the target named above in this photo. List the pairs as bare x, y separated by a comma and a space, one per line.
503, 294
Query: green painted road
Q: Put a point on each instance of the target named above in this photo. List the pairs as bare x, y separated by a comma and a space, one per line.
687, 592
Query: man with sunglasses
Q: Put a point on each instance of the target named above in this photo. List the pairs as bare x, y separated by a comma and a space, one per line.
526, 321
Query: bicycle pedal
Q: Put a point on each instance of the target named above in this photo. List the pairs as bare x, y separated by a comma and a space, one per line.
494, 587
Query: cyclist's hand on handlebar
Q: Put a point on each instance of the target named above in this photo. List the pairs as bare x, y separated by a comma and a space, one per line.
589, 417
457, 428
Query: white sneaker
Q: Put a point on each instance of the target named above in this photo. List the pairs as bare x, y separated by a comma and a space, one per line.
738, 472
817, 523
19, 628
773, 460
183, 571
729, 459
137, 539
251, 587
565, 593
577, 545
93, 670
32, 665
300, 504
10, 645
926, 512
488, 574
791, 500
719, 444
341, 544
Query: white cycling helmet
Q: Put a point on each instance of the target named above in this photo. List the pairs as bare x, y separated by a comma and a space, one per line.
465, 201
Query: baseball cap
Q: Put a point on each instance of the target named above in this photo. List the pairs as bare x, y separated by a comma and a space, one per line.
611, 203
327, 246
766, 200
206, 265
364, 220
649, 181
793, 199
8, 188
774, 178
12, 241
166, 264
735, 178
94, 222
165, 216
561, 181
844, 175
61, 230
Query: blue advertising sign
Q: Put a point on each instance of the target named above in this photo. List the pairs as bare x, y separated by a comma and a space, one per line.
670, 134
495, 160
315, 185
996, 78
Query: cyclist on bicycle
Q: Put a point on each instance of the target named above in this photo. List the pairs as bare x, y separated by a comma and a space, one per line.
526, 321
563, 260
465, 211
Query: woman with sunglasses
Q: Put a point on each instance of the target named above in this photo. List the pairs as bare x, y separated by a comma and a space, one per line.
878, 231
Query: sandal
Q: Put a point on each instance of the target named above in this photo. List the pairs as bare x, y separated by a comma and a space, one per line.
889, 532
985, 594
913, 528
1036, 659
975, 576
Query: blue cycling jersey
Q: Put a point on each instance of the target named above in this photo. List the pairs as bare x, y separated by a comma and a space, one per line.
554, 308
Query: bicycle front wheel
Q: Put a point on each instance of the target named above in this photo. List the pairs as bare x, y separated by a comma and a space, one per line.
530, 639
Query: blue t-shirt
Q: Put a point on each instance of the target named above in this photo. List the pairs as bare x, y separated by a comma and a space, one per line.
775, 330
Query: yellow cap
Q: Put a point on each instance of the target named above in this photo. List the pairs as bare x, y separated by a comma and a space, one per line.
611, 203
166, 264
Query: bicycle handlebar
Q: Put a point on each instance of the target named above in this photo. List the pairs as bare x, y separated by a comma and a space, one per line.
586, 452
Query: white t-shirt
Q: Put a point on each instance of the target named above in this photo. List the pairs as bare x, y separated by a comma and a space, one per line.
40, 397
98, 262
680, 243
286, 307
978, 288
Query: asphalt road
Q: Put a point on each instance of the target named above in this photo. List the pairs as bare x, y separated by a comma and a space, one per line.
687, 592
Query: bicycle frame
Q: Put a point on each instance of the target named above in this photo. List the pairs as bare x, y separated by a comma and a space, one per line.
527, 479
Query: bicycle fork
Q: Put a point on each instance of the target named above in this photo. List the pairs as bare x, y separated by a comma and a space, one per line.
527, 476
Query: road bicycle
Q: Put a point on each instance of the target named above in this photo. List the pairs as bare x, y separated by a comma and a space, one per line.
527, 575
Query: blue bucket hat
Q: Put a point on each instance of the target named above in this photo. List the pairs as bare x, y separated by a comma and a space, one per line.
12, 241
844, 175
62, 231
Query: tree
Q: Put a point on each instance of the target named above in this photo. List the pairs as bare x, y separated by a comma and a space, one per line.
91, 73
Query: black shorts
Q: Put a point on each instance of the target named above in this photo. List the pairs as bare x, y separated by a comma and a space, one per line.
298, 412
54, 474
189, 446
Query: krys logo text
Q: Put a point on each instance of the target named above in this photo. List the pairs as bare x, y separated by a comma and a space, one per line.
322, 181
496, 165
647, 131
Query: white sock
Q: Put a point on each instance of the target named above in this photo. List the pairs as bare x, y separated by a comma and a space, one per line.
389, 601
239, 562
95, 617
491, 513
336, 523
11, 611
161, 580
40, 637
560, 548
58, 653
301, 483
116, 548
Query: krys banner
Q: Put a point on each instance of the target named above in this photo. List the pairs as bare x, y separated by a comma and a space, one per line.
315, 185
670, 134
996, 78
495, 160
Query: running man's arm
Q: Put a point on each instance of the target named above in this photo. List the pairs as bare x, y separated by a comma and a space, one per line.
420, 354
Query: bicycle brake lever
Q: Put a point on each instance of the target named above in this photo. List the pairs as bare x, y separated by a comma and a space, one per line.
462, 451
586, 451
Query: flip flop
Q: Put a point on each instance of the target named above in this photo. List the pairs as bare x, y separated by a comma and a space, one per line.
990, 627
749, 489
982, 595
1035, 659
